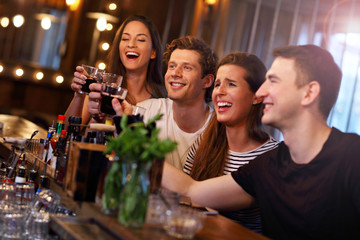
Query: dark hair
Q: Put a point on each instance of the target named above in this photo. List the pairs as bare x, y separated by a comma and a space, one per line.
315, 64
209, 160
154, 78
208, 58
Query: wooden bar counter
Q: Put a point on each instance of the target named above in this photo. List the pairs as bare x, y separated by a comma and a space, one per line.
91, 223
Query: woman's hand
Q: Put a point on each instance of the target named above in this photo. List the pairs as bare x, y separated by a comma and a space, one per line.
94, 102
78, 80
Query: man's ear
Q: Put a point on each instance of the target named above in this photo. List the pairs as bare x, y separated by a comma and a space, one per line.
153, 54
311, 94
208, 80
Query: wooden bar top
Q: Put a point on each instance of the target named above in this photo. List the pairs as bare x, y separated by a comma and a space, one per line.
19, 127
91, 223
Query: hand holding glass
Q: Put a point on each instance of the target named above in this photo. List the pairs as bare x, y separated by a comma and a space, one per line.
93, 75
111, 89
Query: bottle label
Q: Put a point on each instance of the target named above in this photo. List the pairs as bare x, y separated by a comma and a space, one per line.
20, 179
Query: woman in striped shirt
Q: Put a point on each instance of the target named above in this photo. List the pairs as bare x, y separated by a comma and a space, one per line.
235, 134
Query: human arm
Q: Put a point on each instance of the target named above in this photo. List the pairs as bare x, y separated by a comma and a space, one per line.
77, 106
221, 193
93, 105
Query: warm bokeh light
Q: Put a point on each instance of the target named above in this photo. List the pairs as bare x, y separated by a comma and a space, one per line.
39, 75
46, 23
5, 22
109, 26
19, 72
1, 68
112, 6
101, 65
101, 24
59, 79
105, 46
73, 4
210, 2
18, 20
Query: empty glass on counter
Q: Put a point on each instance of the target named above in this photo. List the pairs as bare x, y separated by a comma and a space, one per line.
184, 222
12, 219
159, 203
24, 195
39, 226
11, 214
37, 219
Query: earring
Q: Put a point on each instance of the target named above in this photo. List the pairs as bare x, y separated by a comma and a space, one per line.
257, 101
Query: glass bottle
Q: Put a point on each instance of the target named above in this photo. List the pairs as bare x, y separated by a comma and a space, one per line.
21, 172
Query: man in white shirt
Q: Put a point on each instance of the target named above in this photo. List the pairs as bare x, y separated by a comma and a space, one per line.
191, 66
189, 78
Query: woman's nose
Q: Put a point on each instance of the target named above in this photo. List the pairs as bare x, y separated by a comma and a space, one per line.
132, 43
221, 89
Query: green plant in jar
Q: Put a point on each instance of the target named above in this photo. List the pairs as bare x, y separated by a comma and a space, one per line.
127, 183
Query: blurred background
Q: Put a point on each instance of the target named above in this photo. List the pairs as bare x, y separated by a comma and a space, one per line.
42, 41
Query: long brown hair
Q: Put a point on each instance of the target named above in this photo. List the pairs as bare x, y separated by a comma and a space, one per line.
209, 160
154, 79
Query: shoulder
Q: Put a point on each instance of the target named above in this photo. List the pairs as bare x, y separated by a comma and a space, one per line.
343, 142
155, 106
156, 103
151, 101
270, 144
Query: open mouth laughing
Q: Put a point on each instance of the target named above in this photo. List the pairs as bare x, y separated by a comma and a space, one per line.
223, 105
132, 55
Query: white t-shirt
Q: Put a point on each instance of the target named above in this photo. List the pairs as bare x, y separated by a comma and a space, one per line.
169, 128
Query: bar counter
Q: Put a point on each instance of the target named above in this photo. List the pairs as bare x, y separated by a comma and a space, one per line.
91, 223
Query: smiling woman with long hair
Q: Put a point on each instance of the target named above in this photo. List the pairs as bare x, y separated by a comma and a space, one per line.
135, 54
235, 134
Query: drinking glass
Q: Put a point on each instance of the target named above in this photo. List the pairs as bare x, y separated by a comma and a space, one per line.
24, 195
39, 226
11, 219
37, 219
111, 89
46, 201
137, 115
12, 222
184, 222
7, 193
159, 203
93, 75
